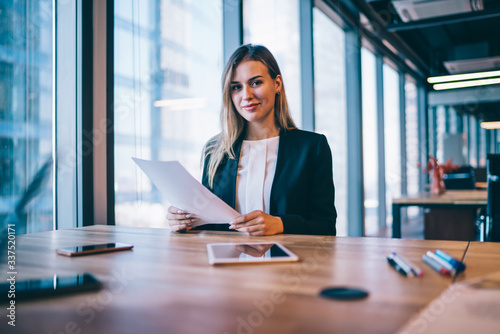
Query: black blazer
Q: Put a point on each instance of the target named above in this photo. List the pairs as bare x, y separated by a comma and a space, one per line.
302, 194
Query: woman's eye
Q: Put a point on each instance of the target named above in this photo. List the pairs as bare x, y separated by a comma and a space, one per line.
256, 83
235, 87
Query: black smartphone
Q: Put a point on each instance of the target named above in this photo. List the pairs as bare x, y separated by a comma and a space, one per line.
92, 249
47, 287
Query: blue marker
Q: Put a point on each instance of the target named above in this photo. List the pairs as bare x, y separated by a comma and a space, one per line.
459, 266
435, 265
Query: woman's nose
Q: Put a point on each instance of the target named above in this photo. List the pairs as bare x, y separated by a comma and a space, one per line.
247, 92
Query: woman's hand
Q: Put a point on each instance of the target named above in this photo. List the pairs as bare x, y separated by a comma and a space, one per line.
179, 220
257, 223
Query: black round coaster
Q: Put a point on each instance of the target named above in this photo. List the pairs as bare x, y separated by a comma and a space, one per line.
343, 293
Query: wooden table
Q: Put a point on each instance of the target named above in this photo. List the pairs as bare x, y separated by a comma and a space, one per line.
473, 199
165, 285
481, 258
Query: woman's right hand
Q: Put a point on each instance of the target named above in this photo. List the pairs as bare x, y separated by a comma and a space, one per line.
180, 220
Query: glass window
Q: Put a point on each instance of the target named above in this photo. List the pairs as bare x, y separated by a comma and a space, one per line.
473, 133
330, 104
370, 141
452, 121
440, 132
412, 145
275, 24
26, 117
482, 147
392, 138
168, 65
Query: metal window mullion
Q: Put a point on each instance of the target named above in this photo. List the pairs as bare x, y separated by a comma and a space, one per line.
467, 137
232, 26
85, 105
434, 130
110, 103
423, 130
102, 110
355, 202
478, 142
306, 63
402, 126
460, 123
447, 118
379, 79
487, 142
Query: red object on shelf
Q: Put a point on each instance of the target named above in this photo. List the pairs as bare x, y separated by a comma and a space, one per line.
437, 171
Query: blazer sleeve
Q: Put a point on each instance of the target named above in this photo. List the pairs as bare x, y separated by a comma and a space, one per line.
320, 215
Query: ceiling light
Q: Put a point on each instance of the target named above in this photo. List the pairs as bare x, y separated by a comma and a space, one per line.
465, 76
490, 125
463, 84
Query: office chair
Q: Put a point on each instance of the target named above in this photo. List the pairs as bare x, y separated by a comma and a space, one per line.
481, 174
461, 178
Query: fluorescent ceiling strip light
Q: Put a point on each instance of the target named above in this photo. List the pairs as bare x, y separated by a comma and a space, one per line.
463, 84
465, 76
490, 125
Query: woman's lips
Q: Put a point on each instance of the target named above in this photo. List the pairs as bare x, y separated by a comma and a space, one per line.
250, 107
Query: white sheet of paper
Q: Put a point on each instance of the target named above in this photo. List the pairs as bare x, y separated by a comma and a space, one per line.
184, 192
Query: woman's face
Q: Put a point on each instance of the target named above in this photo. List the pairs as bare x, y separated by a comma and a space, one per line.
253, 92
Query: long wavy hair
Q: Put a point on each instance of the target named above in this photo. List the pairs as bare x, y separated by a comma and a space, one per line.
232, 124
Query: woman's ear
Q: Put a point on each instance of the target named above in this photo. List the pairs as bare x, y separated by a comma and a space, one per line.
279, 83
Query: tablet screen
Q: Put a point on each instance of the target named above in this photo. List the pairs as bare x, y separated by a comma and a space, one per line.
249, 253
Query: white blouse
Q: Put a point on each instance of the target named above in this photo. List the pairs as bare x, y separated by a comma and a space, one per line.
256, 174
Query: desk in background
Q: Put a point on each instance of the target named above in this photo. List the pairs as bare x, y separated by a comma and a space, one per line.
451, 199
165, 285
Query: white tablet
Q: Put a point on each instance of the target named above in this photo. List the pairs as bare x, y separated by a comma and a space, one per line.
251, 252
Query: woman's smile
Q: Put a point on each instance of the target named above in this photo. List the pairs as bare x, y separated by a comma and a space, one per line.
251, 106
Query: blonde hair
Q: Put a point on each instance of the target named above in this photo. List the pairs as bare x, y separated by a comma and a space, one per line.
232, 124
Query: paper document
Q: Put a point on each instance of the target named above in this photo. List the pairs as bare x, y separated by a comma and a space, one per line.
185, 192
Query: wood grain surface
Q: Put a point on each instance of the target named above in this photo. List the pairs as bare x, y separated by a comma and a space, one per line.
165, 284
454, 197
482, 258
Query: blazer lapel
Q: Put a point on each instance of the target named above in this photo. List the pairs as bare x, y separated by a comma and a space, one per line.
227, 192
280, 164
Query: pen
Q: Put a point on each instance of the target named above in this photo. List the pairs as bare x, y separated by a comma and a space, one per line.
435, 265
396, 266
459, 266
445, 264
416, 270
403, 264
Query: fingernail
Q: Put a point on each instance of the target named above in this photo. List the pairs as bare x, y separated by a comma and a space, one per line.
231, 227
194, 220
189, 215
180, 211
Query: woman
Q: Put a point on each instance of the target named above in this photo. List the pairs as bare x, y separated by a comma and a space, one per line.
278, 177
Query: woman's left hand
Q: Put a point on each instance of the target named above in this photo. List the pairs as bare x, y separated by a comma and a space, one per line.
257, 223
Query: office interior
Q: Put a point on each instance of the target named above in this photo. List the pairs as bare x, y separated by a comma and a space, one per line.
86, 85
